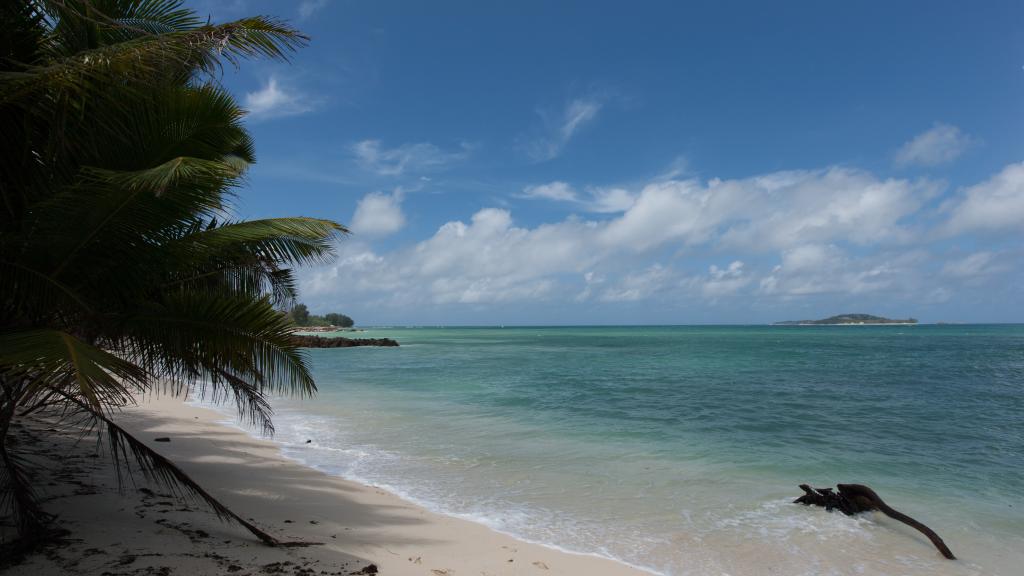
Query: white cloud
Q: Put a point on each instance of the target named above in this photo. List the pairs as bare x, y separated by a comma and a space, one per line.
834, 231
816, 269
490, 259
409, 157
559, 191
641, 285
379, 214
974, 266
775, 211
995, 204
591, 280
577, 114
308, 7
275, 100
724, 281
610, 200
663, 281
939, 145
604, 200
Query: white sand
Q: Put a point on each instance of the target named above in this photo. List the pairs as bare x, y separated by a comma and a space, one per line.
139, 533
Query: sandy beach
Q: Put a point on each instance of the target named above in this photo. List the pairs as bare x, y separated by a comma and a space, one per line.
358, 528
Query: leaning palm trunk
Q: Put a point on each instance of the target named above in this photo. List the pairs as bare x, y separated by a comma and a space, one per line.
120, 270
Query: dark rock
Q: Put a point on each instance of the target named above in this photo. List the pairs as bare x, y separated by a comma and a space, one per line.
340, 342
368, 569
162, 439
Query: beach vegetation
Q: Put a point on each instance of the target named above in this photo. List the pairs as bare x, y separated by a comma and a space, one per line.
301, 316
122, 269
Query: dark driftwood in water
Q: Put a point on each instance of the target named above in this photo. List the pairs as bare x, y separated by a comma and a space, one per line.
340, 342
854, 498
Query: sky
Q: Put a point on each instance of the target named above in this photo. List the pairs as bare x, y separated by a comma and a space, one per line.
649, 162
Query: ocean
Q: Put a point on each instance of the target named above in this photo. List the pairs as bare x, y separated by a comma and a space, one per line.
679, 449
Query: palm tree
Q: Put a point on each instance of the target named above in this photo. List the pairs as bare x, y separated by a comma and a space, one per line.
121, 269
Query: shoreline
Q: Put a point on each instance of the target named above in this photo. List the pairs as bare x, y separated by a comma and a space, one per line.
357, 524
227, 420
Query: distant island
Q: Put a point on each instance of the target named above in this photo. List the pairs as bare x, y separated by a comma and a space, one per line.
847, 319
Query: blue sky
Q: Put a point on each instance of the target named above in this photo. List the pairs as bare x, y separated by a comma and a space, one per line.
647, 162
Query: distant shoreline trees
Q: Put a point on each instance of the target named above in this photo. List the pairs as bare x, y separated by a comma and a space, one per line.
301, 316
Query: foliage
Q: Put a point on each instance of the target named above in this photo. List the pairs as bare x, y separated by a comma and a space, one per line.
301, 316
121, 269
335, 319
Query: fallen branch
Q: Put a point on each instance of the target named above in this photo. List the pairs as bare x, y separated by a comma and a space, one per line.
855, 498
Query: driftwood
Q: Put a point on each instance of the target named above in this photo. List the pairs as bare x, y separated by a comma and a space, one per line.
855, 498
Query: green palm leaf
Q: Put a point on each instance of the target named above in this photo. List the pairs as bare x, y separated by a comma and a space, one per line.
120, 159
52, 359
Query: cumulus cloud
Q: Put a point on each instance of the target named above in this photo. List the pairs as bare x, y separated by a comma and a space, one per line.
641, 285
596, 199
577, 113
816, 269
379, 214
782, 236
775, 211
559, 191
610, 200
724, 281
488, 259
409, 157
276, 100
995, 204
939, 145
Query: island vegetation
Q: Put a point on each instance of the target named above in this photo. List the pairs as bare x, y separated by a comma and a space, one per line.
301, 316
843, 319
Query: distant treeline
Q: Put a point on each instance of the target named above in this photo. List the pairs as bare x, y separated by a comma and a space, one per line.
301, 316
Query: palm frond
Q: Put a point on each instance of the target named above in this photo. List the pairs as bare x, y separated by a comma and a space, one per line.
85, 72
18, 496
126, 449
118, 273
284, 240
251, 403
33, 296
53, 359
203, 333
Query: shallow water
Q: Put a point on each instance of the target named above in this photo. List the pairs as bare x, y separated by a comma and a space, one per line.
679, 449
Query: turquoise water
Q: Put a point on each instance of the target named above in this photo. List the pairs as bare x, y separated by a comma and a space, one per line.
678, 449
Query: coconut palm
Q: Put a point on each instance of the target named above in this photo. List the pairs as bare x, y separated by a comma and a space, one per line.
121, 269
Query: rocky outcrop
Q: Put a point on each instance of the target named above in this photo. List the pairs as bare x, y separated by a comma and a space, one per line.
340, 342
